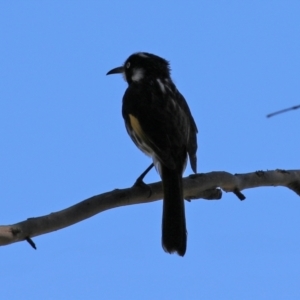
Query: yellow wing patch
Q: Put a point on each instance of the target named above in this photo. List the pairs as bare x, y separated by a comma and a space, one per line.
135, 124
139, 136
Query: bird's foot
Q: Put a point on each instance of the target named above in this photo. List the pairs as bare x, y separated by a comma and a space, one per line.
141, 184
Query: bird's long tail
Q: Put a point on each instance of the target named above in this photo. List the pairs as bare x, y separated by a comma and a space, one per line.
174, 234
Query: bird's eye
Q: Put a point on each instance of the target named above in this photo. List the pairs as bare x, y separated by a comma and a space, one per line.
128, 65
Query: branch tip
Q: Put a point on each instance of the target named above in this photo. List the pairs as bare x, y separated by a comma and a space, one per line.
239, 194
283, 111
30, 242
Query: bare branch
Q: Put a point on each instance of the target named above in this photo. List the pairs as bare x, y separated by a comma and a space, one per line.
283, 111
206, 186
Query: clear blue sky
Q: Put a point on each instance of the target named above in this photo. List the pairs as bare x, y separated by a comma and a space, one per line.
63, 140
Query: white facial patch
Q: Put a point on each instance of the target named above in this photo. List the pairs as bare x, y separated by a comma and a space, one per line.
161, 85
137, 74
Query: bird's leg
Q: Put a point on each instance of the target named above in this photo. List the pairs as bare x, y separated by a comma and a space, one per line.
139, 182
142, 176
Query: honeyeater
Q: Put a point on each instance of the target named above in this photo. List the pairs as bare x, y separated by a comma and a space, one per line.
160, 123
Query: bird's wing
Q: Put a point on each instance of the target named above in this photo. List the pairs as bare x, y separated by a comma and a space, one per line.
159, 121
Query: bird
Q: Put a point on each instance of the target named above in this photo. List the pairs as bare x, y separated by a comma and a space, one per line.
159, 122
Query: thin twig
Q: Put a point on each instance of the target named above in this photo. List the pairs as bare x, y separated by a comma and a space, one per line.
282, 111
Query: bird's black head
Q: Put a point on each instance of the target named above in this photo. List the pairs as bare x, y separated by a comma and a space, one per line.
143, 65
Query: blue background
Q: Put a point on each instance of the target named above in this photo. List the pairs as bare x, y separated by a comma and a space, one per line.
63, 140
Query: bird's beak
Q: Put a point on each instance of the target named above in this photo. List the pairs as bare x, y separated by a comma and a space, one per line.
116, 71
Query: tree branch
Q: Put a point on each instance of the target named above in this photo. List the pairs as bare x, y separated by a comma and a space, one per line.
207, 186
283, 111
